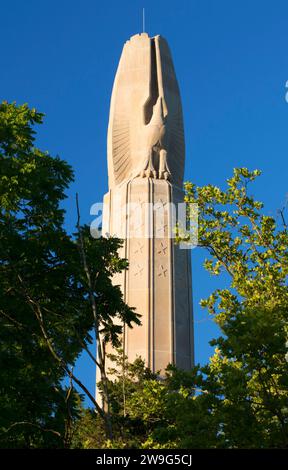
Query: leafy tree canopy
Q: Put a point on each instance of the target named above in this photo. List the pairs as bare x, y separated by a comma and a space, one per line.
240, 398
45, 314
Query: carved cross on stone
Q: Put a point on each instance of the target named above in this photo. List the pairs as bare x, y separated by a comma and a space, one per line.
162, 271
162, 249
161, 229
139, 248
139, 270
161, 202
140, 202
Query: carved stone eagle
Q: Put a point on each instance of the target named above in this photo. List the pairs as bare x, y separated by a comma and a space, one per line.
145, 132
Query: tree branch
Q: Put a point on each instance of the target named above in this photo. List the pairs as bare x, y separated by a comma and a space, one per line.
28, 423
37, 311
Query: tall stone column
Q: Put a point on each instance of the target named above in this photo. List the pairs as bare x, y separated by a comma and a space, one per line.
145, 166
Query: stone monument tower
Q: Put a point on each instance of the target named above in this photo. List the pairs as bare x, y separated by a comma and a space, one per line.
146, 155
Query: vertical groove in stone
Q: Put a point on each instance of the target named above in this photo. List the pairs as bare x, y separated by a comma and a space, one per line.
171, 293
126, 273
151, 279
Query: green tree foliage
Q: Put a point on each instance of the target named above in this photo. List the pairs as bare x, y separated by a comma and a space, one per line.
126, 380
46, 317
248, 373
240, 398
57, 297
150, 413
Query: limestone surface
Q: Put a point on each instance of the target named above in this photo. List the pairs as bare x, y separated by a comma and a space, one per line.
145, 134
146, 154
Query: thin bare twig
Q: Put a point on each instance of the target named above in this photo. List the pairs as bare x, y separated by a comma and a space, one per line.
28, 423
99, 343
12, 320
36, 308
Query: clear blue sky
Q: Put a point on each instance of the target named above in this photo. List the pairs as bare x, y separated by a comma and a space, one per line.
232, 66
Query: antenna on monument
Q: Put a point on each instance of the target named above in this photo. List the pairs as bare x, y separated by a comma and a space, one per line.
143, 20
